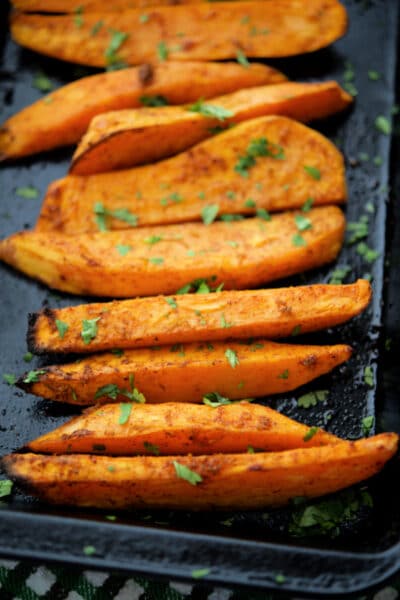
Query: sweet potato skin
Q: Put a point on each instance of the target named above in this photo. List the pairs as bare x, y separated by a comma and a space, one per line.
211, 32
270, 313
202, 175
63, 117
121, 139
185, 373
241, 254
234, 481
172, 428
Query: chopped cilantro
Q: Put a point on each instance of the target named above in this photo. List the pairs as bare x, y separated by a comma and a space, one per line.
339, 274
378, 161
5, 487
358, 229
110, 54
370, 207
312, 398
121, 214
125, 409
367, 424
280, 578
33, 376
257, 147
117, 352
156, 260
224, 323
187, 474
298, 240
162, 51
363, 156
308, 204
153, 100
123, 249
28, 191
383, 125
250, 203
62, 328
78, 19
214, 399
302, 223
9, 378
200, 286
231, 194
89, 550
227, 218
250, 450
262, 213
369, 254
369, 376
143, 18
171, 302
112, 391
153, 239
201, 195
242, 59
313, 172
296, 330
178, 348
96, 28
210, 110
89, 330
199, 573
373, 75
232, 357
42, 83
27, 356
310, 433
209, 213
284, 374
152, 448
111, 517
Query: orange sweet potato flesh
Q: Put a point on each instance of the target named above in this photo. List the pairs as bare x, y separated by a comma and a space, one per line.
235, 481
121, 139
240, 254
185, 373
66, 6
63, 117
270, 313
210, 31
178, 428
202, 175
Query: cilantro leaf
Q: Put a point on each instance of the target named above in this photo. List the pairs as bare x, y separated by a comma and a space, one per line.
152, 448
123, 249
199, 573
210, 110
298, 240
367, 424
28, 191
153, 100
369, 376
171, 302
187, 474
89, 329
383, 125
310, 433
156, 260
257, 147
28, 356
262, 213
89, 550
125, 409
117, 40
33, 376
153, 239
162, 51
339, 274
302, 223
121, 214
312, 398
5, 487
313, 172
215, 399
232, 357
209, 213
42, 83
284, 374
242, 59
9, 378
62, 328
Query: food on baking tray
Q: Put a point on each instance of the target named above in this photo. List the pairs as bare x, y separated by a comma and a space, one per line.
178, 428
62, 117
197, 317
184, 372
193, 32
122, 263
121, 139
259, 166
232, 481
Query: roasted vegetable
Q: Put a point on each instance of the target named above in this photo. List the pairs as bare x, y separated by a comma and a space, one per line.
197, 317
185, 373
200, 482
82, 6
63, 117
216, 31
124, 263
213, 172
121, 139
173, 428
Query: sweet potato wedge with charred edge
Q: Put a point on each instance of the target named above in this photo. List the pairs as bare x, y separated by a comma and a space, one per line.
185, 373
177, 428
121, 139
177, 189
241, 481
63, 117
211, 31
198, 317
66, 6
240, 255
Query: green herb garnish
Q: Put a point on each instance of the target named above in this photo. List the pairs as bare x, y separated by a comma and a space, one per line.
10, 379
28, 192
42, 83
369, 376
232, 357
110, 53
123, 249
210, 110
153, 100
302, 223
214, 399
171, 302
33, 376
152, 448
62, 328
209, 213
6, 486
383, 125
242, 59
125, 409
367, 424
312, 398
313, 172
89, 329
257, 147
298, 240
310, 433
121, 214
187, 474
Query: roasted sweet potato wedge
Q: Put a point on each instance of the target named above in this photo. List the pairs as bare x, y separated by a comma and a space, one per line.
127, 263
185, 373
177, 428
197, 317
83, 6
177, 189
63, 117
121, 139
241, 481
187, 32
